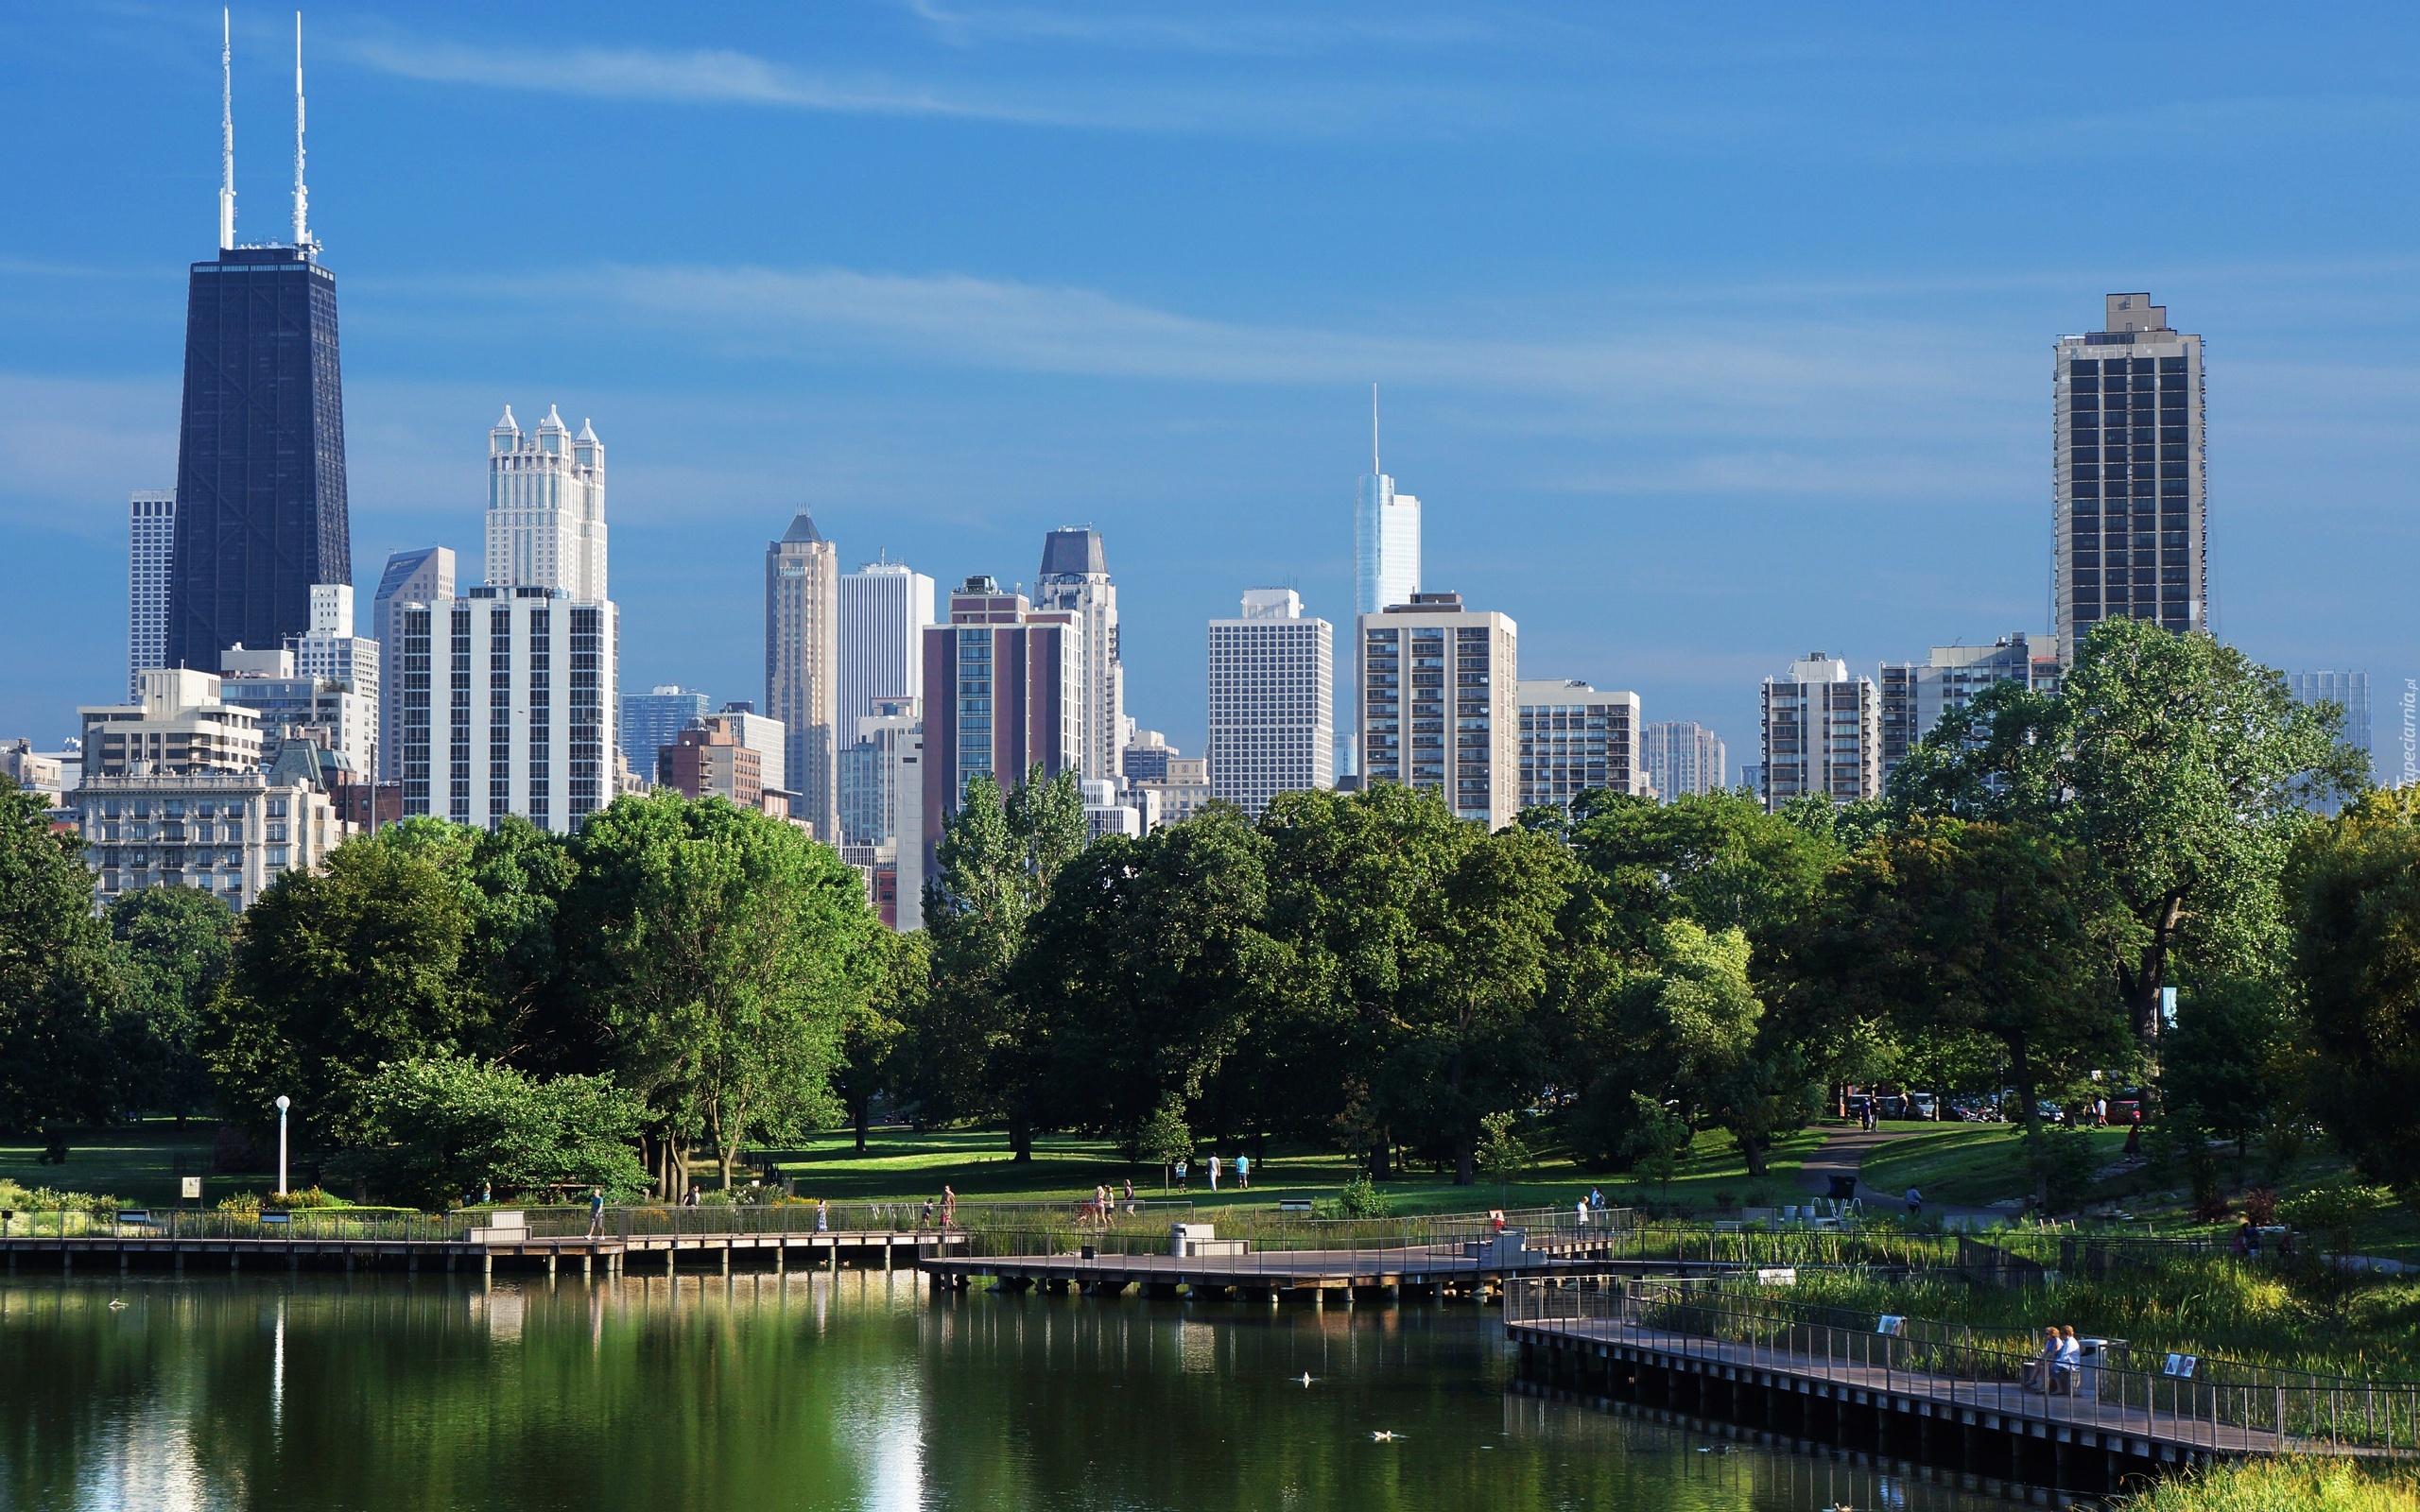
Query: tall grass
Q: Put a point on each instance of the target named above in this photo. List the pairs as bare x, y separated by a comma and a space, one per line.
2283, 1486
2194, 1304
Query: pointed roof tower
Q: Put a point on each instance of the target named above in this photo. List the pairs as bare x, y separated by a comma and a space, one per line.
803, 529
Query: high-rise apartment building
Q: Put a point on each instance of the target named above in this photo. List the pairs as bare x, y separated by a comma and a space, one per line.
2133, 535
870, 809
1574, 739
1075, 581
1822, 733
1437, 688
261, 513
420, 576
1682, 759
884, 609
1914, 696
654, 719
707, 760
1003, 693
508, 702
150, 549
545, 523
803, 668
1273, 701
326, 710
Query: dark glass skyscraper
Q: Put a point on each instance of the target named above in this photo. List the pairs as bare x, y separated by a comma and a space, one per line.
260, 457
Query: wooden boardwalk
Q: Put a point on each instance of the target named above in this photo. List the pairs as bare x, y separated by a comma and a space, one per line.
1281, 1273
1745, 1380
604, 1255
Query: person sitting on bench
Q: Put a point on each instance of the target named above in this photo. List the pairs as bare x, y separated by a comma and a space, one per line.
2037, 1375
2067, 1371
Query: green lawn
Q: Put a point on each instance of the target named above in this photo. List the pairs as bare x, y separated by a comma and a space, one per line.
1967, 1164
139, 1162
903, 1163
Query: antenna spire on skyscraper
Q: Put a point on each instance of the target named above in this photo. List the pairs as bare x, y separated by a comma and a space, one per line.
1374, 430
302, 242
226, 132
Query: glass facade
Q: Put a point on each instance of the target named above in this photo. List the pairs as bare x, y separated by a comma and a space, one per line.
260, 512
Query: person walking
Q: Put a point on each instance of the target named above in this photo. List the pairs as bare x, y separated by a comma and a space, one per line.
822, 1215
1244, 1172
1130, 1196
1580, 1210
595, 1212
1915, 1203
949, 1206
1182, 1174
689, 1198
1214, 1172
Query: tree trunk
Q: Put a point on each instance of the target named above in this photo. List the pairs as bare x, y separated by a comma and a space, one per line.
1463, 1173
1753, 1148
1382, 1164
1020, 1139
864, 1109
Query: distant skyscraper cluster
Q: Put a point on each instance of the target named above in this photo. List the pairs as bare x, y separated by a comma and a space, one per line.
259, 729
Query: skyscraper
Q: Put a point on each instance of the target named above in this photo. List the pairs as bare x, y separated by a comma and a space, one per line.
1822, 733
260, 512
884, 609
546, 524
510, 697
654, 719
2349, 689
1439, 692
1576, 739
2133, 535
420, 576
1681, 758
1075, 580
802, 667
150, 549
1386, 559
1272, 702
1004, 689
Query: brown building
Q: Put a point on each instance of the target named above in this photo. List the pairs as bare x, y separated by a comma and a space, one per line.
711, 760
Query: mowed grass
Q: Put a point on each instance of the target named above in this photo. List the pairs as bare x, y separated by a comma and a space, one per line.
901, 1163
137, 1162
1968, 1165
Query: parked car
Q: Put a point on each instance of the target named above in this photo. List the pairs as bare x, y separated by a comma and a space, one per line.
2126, 1109
2049, 1112
1923, 1104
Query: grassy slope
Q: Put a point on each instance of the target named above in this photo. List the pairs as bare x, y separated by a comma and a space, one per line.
139, 1162
1968, 1165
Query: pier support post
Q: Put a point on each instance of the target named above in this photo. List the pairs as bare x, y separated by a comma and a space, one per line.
550, 1267
836, 1255
487, 1267
584, 1260
235, 1259
121, 1259
449, 1262
668, 1257
726, 1259
782, 1257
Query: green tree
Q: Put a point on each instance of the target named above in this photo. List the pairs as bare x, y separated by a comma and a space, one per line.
175, 946
971, 1055
59, 978
443, 1126
1502, 1150
339, 972
871, 1036
1164, 1139
2180, 765
725, 951
1952, 928
2355, 884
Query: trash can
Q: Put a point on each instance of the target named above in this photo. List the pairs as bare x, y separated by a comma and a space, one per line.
2093, 1354
1090, 1253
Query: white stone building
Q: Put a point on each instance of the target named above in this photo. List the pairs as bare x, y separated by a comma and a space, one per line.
1822, 733
1273, 701
1075, 581
884, 609
1437, 691
231, 834
545, 525
150, 545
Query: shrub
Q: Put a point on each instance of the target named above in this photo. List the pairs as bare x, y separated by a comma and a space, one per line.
2260, 1206
295, 1201
2061, 1161
1360, 1198
48, 1199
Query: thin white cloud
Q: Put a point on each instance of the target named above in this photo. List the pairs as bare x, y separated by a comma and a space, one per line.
1227, 28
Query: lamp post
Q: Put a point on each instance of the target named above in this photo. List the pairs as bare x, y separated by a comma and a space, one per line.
283, 1104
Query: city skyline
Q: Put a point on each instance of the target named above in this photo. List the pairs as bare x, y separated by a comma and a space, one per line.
1244, 397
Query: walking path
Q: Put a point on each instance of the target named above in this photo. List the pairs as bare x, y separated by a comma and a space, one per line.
1844, 1154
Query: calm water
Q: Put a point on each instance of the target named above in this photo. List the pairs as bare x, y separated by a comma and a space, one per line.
762, 1392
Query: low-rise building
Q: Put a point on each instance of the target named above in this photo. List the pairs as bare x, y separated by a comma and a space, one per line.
1181, 793
705, 759
1574, 739
180, 725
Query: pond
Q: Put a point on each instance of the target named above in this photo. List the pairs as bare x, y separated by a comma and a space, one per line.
815, 1391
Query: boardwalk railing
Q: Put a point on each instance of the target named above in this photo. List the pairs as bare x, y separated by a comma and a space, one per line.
562, 1221
2204, 1402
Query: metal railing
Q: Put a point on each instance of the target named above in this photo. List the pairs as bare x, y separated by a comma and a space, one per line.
2201, 1402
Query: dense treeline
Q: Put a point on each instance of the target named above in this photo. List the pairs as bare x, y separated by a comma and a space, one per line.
452, 1007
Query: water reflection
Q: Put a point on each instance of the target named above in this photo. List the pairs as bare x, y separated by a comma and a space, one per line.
817, 1391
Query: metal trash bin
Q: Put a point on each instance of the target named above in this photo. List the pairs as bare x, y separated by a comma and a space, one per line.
2088, 1363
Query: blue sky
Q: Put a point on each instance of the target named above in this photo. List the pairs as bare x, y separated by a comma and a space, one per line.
1708, 336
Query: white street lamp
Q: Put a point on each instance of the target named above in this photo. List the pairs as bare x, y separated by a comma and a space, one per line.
283, 1104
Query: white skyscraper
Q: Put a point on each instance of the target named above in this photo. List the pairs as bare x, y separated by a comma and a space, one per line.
802, 667
546, 506
515, 712
1822, 733
1386, 557
1273, 701
329, 652
420, 576
884, 609
1682, 759
151, 540
1075, 581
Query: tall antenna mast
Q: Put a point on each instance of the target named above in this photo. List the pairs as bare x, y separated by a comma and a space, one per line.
226, 133
302, 242
1374, 430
